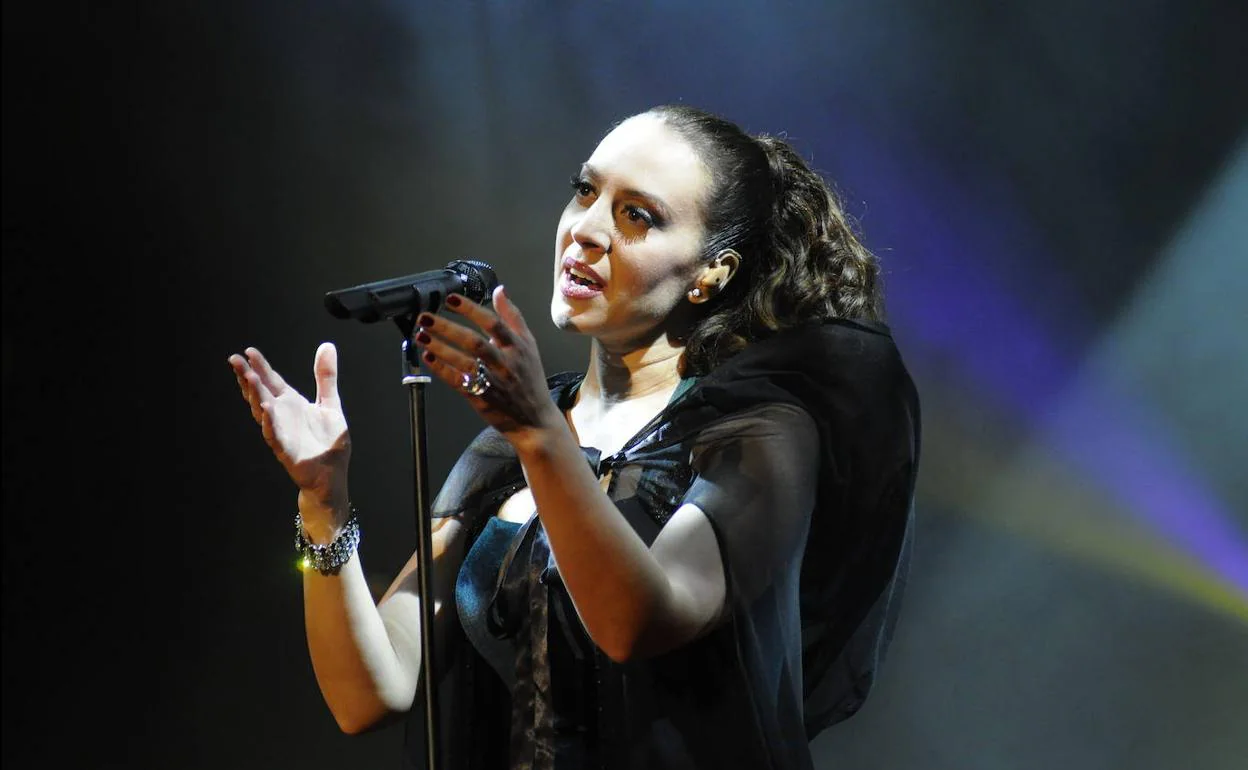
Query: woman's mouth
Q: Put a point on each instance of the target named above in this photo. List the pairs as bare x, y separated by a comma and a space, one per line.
574, 285
578, 280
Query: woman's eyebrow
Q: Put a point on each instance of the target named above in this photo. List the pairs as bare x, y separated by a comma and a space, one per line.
593, 175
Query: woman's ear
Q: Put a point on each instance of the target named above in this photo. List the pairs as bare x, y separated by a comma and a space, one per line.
718, 272
730, 260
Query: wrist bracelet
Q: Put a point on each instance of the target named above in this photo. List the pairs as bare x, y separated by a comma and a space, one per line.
327, 559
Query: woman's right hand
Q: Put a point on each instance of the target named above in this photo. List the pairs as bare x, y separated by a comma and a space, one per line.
310, 439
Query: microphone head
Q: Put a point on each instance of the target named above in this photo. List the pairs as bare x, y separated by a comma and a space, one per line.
479, 278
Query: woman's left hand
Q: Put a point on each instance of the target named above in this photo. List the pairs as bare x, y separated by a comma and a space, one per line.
517, 400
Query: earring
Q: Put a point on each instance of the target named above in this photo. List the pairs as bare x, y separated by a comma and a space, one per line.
696, 293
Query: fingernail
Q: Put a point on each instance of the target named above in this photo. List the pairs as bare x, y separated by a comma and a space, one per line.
423, 338
452, 300
425, 319
429, 357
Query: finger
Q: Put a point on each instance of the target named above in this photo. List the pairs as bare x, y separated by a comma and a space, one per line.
510, 313
256, 395
447, 354
239, 366
466, 340
486, 319
248, 379
447, 371
270, 378
252, 391
326, 371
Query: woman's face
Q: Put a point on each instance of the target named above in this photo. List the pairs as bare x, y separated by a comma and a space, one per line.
635, 221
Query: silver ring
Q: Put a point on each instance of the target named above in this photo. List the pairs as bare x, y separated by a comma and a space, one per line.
476, 386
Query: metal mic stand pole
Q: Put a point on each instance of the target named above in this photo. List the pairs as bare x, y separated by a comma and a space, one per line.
415, 379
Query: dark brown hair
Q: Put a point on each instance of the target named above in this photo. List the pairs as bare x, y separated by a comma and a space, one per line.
801, 260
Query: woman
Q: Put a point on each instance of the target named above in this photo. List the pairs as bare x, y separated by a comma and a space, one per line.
689, 555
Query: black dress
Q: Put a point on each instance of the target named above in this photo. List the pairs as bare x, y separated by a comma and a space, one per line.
802, 450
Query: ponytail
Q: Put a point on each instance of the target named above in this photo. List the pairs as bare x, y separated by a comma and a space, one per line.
801, 260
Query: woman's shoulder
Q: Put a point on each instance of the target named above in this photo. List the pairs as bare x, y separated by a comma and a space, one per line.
858, 343
764, 419
832, 364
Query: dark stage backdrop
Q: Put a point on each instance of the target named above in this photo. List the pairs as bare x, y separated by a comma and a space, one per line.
1058, 192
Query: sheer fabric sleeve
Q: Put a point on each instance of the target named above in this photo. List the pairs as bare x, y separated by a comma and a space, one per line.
486, 464
755, 478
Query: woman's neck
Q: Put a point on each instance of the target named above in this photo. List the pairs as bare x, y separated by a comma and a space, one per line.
615, 377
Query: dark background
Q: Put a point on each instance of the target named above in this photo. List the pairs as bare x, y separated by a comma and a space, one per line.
1058, 192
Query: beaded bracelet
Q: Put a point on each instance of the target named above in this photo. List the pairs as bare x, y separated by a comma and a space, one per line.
327, 559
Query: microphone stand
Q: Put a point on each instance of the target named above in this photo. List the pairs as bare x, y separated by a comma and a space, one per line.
415, 379
373, 302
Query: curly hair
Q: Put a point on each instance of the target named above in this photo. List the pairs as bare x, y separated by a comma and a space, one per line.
801, 260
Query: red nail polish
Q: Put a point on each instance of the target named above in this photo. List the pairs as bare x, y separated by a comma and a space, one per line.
452, 300
423, 338
425, 319
429, 357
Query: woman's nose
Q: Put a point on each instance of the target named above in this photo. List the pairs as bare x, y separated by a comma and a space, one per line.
592, 232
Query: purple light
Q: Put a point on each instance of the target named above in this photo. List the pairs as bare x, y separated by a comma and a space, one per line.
964, 284
1108, 435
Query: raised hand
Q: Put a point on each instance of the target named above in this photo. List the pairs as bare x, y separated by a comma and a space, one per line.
309, 438
517, 401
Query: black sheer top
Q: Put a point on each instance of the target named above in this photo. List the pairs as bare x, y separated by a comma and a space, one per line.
801, 450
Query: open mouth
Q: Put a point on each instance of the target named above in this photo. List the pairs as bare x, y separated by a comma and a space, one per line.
581, 275
574, 286
582, 280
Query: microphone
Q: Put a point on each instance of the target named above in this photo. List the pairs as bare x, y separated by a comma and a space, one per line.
412, 294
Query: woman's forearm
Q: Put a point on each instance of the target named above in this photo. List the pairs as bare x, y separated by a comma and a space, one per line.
619, 590
367, 657
361, 675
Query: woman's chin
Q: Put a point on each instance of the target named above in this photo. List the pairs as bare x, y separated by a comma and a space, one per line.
566, 318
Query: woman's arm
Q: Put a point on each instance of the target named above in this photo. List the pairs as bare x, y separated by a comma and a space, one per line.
367, 657
634, 601
745, 516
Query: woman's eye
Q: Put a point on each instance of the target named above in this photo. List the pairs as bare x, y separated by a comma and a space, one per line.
580, 187
639, 215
